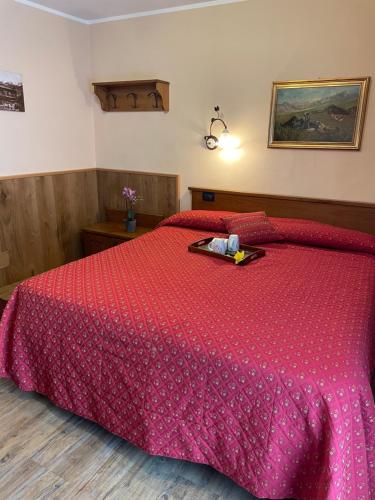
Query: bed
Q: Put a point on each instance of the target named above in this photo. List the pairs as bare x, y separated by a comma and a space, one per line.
261, 371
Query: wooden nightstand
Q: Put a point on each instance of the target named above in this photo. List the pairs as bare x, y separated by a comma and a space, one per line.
99, 237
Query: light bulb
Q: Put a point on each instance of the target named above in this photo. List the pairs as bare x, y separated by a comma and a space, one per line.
227, 140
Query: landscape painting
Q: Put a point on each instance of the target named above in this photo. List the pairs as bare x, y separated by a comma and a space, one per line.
11, 92
318, 114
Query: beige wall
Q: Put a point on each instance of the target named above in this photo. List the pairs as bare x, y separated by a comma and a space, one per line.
53, 55
229, 55
226, 55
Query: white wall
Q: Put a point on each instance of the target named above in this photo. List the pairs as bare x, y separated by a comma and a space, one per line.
229, 55
53, 55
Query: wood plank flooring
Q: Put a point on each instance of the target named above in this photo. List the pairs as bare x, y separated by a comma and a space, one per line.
48, 453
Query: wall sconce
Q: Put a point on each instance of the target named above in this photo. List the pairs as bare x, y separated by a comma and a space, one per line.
225, 141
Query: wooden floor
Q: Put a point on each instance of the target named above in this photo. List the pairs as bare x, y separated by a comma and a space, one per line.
48, 453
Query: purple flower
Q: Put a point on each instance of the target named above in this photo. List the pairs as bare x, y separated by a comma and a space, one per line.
130, 195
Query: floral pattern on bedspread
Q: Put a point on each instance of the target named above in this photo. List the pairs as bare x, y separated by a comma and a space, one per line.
261, 371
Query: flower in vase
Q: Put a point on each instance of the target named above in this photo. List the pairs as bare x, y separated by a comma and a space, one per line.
131, 198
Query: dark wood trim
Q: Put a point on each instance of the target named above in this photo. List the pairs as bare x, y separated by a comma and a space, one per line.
283, 197
352, 215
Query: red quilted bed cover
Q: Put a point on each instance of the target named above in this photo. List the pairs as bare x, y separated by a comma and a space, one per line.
261, 371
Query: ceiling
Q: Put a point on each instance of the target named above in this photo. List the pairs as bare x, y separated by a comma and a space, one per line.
94, 11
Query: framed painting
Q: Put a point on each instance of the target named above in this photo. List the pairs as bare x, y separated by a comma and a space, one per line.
318, 114
11, 92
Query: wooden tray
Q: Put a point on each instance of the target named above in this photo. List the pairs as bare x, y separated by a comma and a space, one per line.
251, 253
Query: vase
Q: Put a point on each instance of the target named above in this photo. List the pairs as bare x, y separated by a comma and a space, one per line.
131, 214
130, 221
131, 225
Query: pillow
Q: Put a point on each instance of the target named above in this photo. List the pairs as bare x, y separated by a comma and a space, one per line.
308, 232
252, 228
207, 220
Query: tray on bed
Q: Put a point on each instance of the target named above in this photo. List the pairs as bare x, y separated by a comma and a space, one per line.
251, 253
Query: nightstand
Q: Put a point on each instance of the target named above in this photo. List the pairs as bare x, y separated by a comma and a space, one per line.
104, 235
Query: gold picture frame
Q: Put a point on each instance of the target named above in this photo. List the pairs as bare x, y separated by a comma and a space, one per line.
318, 114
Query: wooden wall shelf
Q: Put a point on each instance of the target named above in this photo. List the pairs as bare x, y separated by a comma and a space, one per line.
138, 95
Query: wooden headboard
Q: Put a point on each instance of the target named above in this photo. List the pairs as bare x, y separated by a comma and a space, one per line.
352, 215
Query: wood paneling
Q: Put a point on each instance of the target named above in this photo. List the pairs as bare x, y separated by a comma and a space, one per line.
42, 215
40, 220
352, 215
159, 191
43, 174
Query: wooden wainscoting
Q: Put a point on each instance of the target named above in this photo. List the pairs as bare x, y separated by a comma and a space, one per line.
40, 220
41, 215
160, 192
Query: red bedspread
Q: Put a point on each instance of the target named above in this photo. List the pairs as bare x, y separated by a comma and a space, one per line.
261, 371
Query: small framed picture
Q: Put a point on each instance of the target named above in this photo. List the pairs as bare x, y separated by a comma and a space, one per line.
11, 92
318, 114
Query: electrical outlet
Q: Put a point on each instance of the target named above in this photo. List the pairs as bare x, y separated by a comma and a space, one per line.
4, 259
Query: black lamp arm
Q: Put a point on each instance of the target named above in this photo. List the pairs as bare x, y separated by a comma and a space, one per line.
211, 140
213, 120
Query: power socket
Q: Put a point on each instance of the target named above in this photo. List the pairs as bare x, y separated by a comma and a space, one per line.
4, 259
